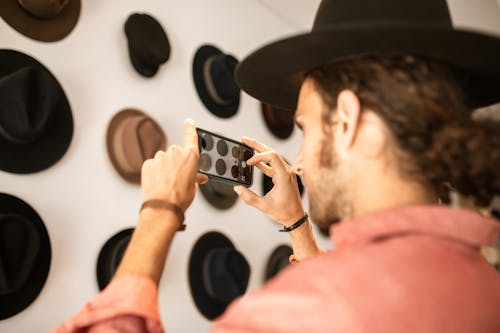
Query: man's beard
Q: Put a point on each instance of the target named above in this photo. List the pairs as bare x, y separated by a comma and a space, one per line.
327, 190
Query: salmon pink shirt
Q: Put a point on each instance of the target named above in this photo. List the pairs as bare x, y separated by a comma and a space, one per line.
410, 269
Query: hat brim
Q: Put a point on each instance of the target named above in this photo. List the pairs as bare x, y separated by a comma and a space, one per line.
110, 133
53, 144
16, 302
279, 254
201, 56
217, 200
44, 30
274, 73
208, 306
103, 272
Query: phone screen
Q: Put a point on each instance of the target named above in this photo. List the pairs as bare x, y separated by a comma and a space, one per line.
224, 159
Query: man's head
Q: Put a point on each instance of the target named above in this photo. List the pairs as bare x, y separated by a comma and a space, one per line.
383, 132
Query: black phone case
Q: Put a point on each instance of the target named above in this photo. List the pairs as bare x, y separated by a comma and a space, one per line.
224, 159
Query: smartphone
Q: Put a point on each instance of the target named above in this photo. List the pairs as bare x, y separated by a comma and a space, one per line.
223, 159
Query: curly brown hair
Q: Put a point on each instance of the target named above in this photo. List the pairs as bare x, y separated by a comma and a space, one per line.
424, 105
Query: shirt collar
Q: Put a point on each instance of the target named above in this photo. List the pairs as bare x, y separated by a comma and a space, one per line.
460, 224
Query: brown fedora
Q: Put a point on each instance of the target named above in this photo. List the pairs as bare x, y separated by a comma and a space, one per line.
279, 121
132, 138
42, 20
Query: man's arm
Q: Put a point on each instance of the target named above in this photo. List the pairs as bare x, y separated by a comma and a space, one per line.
283, 203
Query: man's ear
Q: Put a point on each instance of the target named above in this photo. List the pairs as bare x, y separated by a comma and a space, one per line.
348, 117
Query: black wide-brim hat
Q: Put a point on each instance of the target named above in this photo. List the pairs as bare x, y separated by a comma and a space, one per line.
110, 256
44, 30
14, 303
207, 305
201, 56
52, 145
349, 29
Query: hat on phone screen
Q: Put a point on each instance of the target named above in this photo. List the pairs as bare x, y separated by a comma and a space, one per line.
132, 138
42, 20
278, 260
111, 255
280, 122
148, 43
220, 195
25, 255
351, 29
213, 75
218, 274
36, 123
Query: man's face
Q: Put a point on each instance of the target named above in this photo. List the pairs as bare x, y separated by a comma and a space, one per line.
318, 161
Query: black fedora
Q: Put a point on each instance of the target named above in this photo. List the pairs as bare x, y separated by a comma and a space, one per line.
111, 255
348, 29
267, 184
25, 255
213, 75
278, 121
36, 125
218, 274
148, 43
278, 260
218, 194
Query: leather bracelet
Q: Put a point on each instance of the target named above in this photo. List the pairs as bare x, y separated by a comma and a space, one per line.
296, 224
162, 204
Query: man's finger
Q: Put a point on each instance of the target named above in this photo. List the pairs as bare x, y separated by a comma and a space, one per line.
190, 135
255, 144
271, 158
201, 178
266, 169
248, 196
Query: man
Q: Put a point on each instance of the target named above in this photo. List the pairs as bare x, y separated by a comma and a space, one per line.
385, 136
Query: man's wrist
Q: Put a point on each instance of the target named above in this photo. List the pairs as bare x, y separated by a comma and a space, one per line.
163, 218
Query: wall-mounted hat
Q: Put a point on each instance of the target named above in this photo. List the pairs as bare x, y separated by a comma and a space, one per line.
36, 125
218, 194
349, 29
148, 44
279, 121
111, 255
213, 74
42, 20
132, 138
278, 260
24, 255
218, 273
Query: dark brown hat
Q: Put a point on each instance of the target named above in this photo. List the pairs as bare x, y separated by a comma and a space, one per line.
132, 138
43, 20
279, 121
218, 194
278, 260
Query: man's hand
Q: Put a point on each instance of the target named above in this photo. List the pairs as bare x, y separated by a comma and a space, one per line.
172, 175
283, 203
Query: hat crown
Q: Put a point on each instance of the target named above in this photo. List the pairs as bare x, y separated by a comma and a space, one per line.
19, 245
219, 78
29, 102
225, 274
45, 9
345, 13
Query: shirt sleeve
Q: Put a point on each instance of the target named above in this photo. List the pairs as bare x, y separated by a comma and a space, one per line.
127, 304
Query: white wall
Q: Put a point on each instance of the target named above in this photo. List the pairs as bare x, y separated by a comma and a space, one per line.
83, 201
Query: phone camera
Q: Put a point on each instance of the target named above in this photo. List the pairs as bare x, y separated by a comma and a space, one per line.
220, 166
207, 142
235, 171
222, 147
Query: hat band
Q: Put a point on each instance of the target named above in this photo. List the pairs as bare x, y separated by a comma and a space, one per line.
44, 10
207, 78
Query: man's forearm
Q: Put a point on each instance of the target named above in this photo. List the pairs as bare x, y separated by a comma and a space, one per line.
303, 242
148, 248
